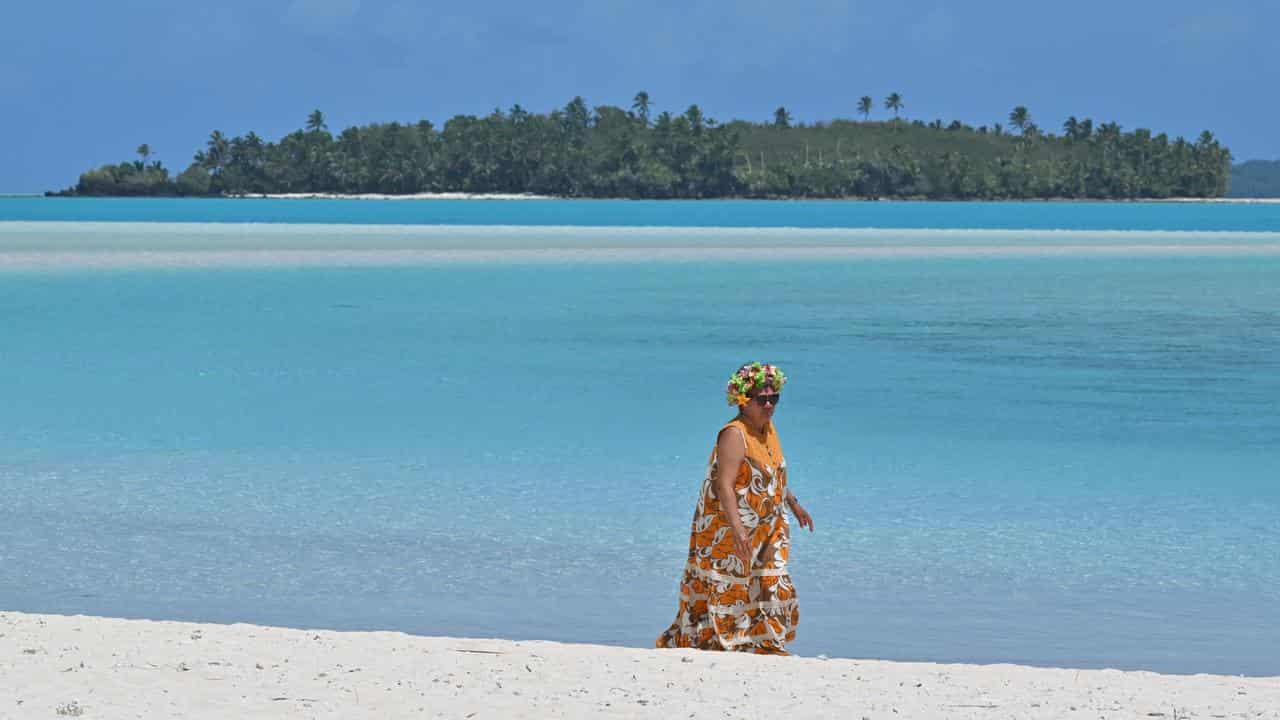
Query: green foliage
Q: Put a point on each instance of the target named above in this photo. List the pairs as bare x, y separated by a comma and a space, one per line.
193, 181
864, 107
955, 161
1256, 179
126, 179
607, 151
641, 106
315, 122
894, 103
1020, 119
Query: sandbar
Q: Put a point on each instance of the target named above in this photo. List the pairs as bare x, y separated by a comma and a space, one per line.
106, 245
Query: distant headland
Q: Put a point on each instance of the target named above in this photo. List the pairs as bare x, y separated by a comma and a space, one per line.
614, 152
1255, 179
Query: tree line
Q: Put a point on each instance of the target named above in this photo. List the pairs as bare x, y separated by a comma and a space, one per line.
609, 151
1256, 179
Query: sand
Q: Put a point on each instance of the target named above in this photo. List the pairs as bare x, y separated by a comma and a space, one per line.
66, 666
26, 246
411, 196
1227, 200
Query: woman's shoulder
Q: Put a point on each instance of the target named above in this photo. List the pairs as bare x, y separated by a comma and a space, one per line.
734, 429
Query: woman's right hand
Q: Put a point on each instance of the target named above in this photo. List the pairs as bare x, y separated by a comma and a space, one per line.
742, 548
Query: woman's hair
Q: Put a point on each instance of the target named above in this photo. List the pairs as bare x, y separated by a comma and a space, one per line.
753, 376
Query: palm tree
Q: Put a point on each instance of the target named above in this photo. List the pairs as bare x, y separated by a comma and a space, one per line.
1109, 132
781, 118
1071, 128
641, 106
1020, 118
315, 121
219, 148
695, 118
144, 152
576, 115
894, 103
864, 106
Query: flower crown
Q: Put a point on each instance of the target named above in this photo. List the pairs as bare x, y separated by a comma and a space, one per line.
753, 376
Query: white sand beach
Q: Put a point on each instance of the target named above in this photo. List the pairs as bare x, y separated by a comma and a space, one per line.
412, 196
76, 666
1225, 200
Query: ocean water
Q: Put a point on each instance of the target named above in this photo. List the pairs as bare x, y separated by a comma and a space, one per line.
1067, 458
630, 213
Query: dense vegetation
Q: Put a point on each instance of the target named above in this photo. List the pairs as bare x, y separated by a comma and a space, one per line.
615, 152
1256, 179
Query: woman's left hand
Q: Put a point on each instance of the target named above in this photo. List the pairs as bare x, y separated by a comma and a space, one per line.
802, 516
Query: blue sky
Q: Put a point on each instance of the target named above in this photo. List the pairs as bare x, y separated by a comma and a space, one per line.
84, 83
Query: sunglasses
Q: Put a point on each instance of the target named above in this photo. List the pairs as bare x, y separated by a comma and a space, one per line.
763, 400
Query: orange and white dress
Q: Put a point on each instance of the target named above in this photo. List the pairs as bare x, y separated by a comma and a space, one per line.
724, 606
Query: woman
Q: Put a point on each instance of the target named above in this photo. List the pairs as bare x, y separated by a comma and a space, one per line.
736, 593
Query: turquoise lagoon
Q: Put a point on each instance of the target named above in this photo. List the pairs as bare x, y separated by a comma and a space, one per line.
1067, 458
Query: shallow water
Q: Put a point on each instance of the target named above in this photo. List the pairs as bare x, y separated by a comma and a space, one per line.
1064, 460
666, 213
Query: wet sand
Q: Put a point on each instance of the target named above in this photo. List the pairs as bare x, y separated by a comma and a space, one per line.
87, 245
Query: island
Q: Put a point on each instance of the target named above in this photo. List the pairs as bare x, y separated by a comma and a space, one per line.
614, 152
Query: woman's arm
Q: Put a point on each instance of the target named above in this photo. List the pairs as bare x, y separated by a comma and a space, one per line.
798, 510
731, 450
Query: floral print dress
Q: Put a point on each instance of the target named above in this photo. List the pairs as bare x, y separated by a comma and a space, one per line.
724, 606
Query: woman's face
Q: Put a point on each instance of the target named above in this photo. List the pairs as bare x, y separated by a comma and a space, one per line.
758, 413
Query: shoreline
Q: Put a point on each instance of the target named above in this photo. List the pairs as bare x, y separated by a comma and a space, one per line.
532, 196
106, 667
384, 196
1221, 200
856, 199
